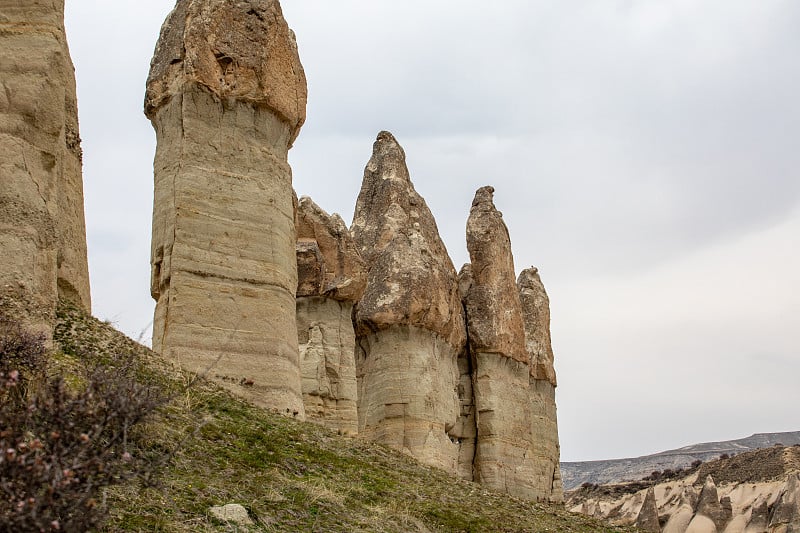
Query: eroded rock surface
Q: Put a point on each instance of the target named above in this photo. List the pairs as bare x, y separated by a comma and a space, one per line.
536, 321
409, 323
710, 507
331, 278
42, 228
544, 432
501, 374
340, 272
752, 499
493, 305
227, 95
647, 520
786, 514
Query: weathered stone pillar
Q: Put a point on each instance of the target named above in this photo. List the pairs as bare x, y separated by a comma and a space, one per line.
546, 449
501, 373
227, 97
42, 228
409, 323
331, 278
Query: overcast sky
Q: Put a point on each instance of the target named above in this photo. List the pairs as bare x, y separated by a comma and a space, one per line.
645, 155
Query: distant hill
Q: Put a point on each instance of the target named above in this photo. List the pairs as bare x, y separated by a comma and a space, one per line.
753, 491
575, 474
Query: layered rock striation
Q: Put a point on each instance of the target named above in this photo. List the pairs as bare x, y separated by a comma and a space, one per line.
756, 492
42, 224
409, 323
542, 385
505, 458
331, 279
227, 96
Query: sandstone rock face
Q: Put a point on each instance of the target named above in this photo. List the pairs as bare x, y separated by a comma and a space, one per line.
493, 305
340, 272
227, 95
536, 321
331, 278
501, 374
786, 515
710, 506
648, 515
42, 224
410, 322
756, 506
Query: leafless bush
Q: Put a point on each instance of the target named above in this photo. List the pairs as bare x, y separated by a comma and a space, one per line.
21, 352
63, 441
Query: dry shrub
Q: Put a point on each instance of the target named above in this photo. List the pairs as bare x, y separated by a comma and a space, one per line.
62, 442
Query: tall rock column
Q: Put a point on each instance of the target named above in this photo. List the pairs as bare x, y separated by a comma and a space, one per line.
42, 228
227, 96
501, 375
409, 323
331, 279
536, 320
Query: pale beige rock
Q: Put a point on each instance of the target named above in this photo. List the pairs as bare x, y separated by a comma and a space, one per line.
506, 457
786, 513
409, 322
701, 524
407, 394
738, 507
327, 362
545, 447
536, 321
232, 513
331, 278
42, 229
226, 95
709, 505
759, 519
647, 520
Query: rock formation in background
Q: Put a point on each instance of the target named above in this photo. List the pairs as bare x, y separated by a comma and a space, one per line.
409, 323
227, 96
786, 513
753, 492
501, 373
542, 388
331, 278
647, 520
710, 508
42, 228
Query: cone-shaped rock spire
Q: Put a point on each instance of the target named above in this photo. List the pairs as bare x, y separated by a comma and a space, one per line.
409, 323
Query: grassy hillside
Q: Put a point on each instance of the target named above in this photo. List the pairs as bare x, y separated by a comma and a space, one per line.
290, 476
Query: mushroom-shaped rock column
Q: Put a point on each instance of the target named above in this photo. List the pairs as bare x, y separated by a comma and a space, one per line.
409, 323
42, 228
331, 279
536, 320
504, 458
227, 97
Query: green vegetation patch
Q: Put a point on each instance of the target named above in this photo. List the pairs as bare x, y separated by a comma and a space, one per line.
289, 475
